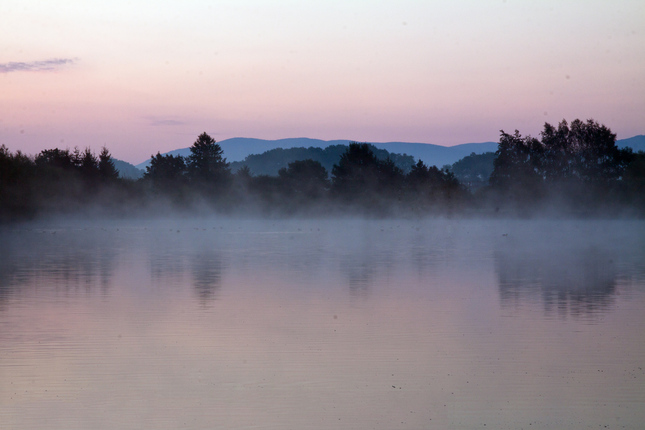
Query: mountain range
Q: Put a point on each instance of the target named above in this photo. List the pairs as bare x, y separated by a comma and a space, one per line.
238, 148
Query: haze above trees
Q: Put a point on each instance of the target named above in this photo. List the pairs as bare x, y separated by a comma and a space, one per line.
572, 169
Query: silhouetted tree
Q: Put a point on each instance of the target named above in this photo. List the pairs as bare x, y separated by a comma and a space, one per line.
578, 165
304, 180
166, 171
60, 159
59, 184
267, 192
517, 171
17, 181
89, 166
106, 168
428, 187
422, 176
62, 181
206, 168
360, 178
584, 151
390, 179
634, 181
356, 173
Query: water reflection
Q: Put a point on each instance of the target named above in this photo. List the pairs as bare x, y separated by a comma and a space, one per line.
59, 260
281, 324
360, 276
568, 282
206, 268
166, 268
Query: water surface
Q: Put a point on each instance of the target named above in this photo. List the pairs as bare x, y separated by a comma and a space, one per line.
339, 324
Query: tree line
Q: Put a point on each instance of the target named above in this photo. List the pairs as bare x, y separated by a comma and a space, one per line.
269, 162
576, 168
360, 181
54, 181
573, 167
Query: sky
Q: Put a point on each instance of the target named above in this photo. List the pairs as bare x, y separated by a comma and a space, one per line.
145, 76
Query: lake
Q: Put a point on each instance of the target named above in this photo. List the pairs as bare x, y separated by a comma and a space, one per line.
214, 323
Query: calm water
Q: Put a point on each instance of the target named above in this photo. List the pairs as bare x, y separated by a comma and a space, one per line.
221, 324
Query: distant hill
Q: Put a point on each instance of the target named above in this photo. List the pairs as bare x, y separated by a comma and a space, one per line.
637, 143
436, 155
474, 169
270, 162
127, 170
238, 148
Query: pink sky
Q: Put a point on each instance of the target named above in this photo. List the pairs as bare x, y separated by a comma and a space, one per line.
141, 79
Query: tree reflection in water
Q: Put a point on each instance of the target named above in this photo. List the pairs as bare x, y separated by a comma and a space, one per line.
206, 268
360, 277
66, 261
579, 283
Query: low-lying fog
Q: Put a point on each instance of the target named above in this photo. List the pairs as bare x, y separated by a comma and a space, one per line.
325, 323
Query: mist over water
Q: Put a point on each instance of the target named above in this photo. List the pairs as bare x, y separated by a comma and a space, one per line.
322, 323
